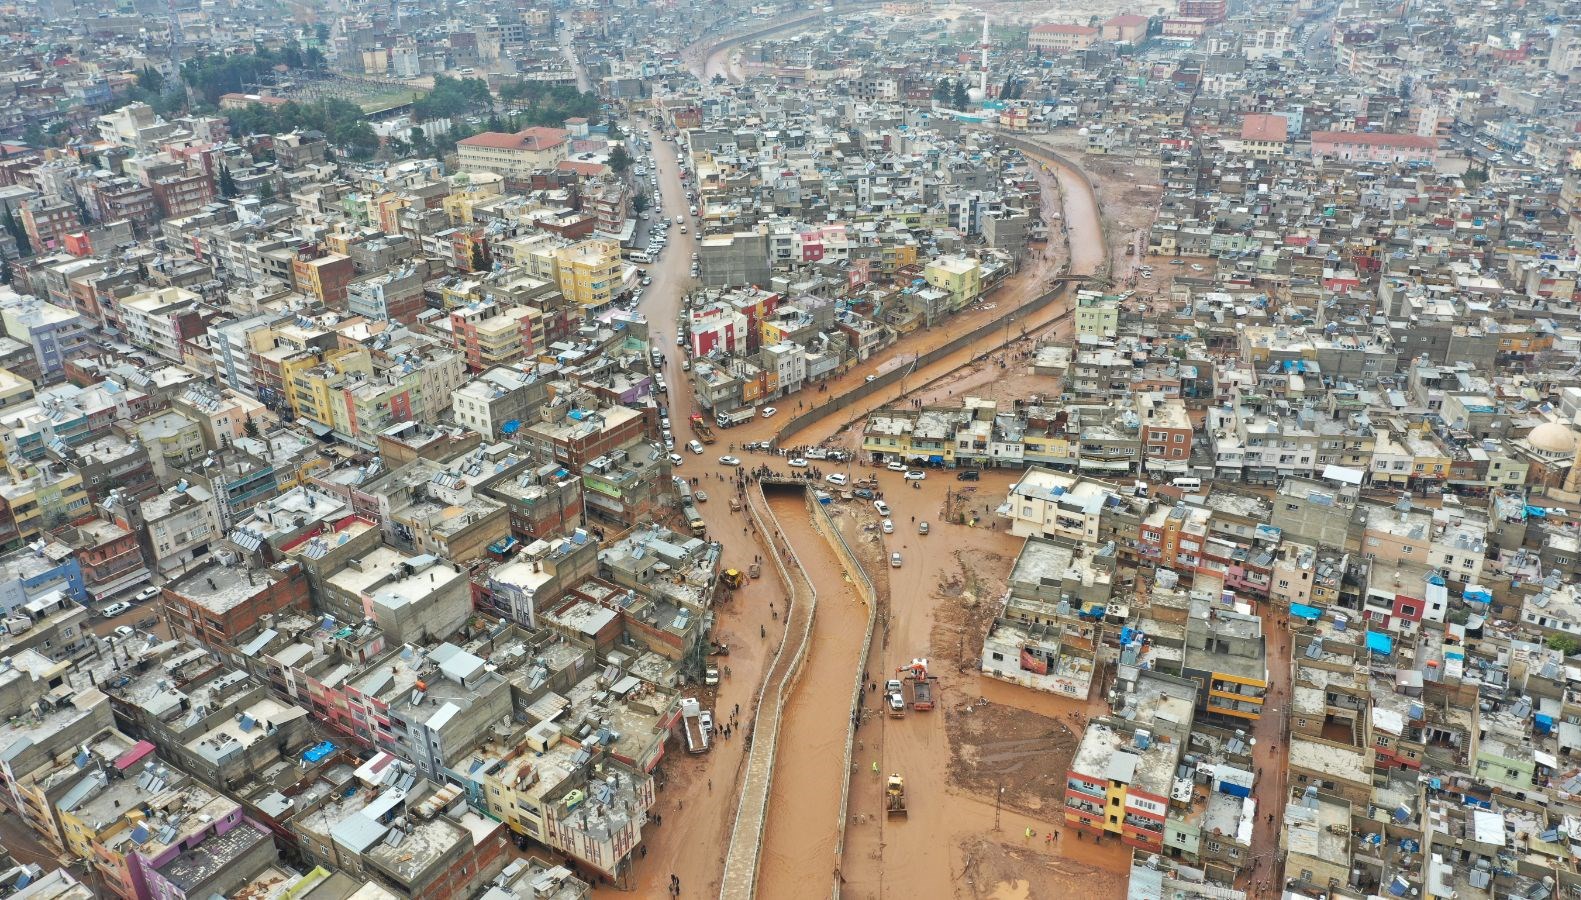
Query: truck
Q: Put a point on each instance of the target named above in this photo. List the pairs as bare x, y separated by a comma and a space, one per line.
694, 520
895, 796
895, 697
692, 720
700, 427
731, 419
921, 684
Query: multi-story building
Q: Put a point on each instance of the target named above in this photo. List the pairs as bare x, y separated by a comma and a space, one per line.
513, 155
55, 334
218, 602
589, 272
162, 320
1057, 38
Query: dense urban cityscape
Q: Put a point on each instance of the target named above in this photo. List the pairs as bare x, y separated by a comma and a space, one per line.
1073, 448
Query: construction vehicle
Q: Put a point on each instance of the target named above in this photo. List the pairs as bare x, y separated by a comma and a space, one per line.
895, 796
701, 429
728, 419
731, 578
921, 683
896, 698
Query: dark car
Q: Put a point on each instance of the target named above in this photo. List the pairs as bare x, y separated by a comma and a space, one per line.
864, 493
967, 475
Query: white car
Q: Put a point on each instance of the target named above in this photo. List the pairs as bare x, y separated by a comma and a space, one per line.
695, 446
767, 411
116, 608
796, 462
889, 526
896, 467
894, 560
675, 459
729, 461
702, 496
916, 475
838, 479
124, 632
882, 507
147, 593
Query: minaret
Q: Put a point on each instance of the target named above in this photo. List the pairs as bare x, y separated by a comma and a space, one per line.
982, 74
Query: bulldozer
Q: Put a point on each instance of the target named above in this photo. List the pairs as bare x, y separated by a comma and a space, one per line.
895, 796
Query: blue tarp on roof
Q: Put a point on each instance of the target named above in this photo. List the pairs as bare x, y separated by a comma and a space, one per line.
1305, 612
1378, 642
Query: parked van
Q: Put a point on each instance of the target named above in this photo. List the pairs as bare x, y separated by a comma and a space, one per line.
1187, 484
642, 257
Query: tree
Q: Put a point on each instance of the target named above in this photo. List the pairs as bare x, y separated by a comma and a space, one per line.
1565, 644
941, 92
321, 31
480, 258
249, 427
639, 203
13, 225
619, 160
265, 191
150, 80
227, 182
959, 96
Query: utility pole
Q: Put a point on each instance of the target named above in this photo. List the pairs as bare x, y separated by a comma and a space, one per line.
999, 796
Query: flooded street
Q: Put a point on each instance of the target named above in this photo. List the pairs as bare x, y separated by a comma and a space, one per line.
954, 757
804, 807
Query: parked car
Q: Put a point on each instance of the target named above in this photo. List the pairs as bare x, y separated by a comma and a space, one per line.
116, 609
147, 593
729, 461
124, 632
882, 507
894, 560
889, 526
767, 411
922, 527
916, 475
896, 466
968, 475
796, 462
838, 479
675, 459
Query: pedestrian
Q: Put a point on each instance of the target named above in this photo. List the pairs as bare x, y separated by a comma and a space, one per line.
1030, 832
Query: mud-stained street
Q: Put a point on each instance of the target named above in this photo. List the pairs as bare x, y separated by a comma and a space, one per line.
804, 805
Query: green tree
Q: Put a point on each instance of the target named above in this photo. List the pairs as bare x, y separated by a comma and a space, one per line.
1565, 644
941, 91
480, 258
249, 427
265, 191
321, 32
959, 96
18, 232
227, 182
150, 80
619, 160
639, 203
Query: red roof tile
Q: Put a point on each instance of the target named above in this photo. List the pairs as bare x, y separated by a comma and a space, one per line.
1259, 127
539, 138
